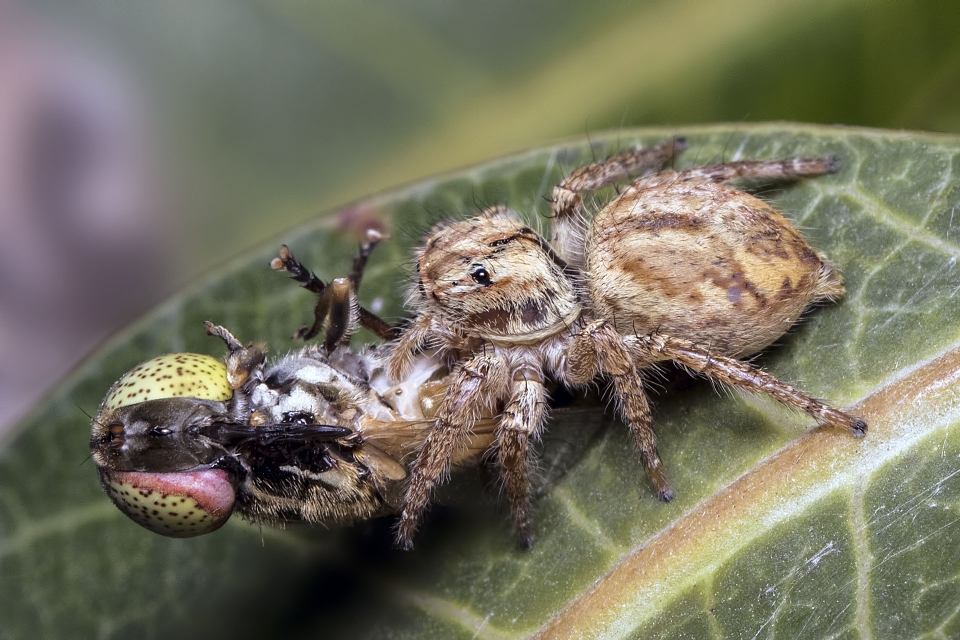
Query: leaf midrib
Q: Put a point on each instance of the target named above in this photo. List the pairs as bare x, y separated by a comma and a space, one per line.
899, 415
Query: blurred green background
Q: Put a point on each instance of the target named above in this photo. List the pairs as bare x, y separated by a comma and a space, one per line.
241, 119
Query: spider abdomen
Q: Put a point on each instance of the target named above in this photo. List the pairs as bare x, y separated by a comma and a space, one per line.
704, 261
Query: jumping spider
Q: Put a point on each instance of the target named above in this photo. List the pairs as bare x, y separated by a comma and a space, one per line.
679, 266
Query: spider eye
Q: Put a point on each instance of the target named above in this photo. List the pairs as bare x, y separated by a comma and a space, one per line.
480, 275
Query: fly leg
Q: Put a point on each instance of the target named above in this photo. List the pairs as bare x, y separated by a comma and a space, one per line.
242, 361
336, 302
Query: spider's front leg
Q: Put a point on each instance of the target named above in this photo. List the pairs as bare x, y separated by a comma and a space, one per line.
599, 348
567, 231
736, 373
414, 337
477, 384
521, 421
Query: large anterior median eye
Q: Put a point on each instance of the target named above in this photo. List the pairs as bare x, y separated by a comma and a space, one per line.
480, 274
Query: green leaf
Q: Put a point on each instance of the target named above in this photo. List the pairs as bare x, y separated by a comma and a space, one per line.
776, 530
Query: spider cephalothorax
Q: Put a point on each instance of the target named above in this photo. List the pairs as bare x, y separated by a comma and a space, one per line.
495, 278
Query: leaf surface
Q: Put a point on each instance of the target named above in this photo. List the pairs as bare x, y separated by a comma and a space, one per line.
776, 530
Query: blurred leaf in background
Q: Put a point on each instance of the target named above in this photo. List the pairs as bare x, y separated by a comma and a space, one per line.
254, 116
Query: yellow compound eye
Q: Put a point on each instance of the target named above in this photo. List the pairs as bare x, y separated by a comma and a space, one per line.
175, 375
177, 505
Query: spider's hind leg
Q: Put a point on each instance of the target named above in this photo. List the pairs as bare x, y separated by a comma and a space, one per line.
773, 169
742, 375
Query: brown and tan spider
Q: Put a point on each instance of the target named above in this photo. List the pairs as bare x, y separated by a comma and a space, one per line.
679, 266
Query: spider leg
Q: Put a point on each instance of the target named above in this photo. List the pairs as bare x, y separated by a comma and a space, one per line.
475, 384
790, 168
598, 347
413, 338
733, 372
566, 235
521, 421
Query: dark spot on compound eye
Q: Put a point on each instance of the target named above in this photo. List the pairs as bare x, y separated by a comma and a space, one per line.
733, 294
480, 275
